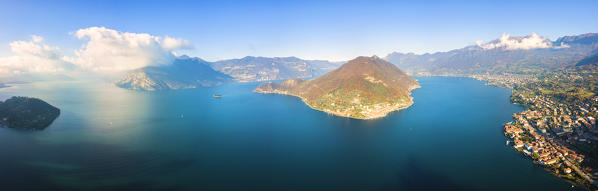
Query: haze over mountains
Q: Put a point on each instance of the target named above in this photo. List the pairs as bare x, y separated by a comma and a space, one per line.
507, 54
187, 72
184, 73
251, 69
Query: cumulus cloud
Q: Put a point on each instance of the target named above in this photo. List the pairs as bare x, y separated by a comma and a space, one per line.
33, 56
507, 42
109, 50
103, 50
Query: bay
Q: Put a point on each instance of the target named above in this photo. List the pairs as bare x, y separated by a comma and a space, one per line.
112, 138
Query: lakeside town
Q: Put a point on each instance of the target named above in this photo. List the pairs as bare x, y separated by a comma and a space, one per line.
558, 130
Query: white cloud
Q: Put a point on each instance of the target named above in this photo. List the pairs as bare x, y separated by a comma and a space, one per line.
104, 50
507, 42
36, 38
175, 43
33, 57
109, 50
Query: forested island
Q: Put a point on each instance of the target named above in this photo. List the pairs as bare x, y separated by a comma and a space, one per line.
27, 113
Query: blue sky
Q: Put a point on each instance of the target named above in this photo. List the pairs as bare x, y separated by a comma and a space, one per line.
334, 30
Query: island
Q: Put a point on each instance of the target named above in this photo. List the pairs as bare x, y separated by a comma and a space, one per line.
27, 113
362, 88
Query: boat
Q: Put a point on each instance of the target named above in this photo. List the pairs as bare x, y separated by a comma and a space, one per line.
508, 142
217, 96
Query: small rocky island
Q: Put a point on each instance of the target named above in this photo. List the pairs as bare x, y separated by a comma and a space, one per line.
363, 88
27, 113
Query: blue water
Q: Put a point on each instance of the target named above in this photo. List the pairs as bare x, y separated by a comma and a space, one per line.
111, 138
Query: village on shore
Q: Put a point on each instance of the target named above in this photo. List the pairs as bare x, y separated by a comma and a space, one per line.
558, 130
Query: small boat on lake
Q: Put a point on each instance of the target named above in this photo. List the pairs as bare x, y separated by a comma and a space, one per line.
217, 96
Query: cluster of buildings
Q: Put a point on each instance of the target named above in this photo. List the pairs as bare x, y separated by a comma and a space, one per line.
505, 80
573, 123
552, 133
543, 148
548, 131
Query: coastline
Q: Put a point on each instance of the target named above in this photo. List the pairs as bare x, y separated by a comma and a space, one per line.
384, 113
509, 81
503, 81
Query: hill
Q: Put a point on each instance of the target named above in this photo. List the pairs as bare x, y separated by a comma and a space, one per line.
363, 88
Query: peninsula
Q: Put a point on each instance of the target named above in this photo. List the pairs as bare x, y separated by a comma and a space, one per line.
363, 88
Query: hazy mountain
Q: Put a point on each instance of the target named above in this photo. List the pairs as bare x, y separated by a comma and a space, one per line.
27, 78
320, 67
249, 69
365, 87
184, 73
507, 54
588, 39
590, 60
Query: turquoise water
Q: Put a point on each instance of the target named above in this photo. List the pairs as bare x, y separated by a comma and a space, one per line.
111, 138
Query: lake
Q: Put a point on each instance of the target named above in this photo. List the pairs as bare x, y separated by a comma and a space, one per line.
112, 138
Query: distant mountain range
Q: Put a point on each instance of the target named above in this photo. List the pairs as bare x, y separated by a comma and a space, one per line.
364, 88
520, 55
26, 78
187, 72
529, 54
251, 69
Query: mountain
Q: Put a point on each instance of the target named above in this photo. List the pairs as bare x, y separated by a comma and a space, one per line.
250, 69
183, 73
27, 113
363, 88
528, 54
588, 39
590, 60
187, 72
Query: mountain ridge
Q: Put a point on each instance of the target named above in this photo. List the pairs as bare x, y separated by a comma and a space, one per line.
252, 69
564, 52
192, 72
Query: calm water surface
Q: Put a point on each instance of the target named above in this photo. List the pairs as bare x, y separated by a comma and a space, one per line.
111, 138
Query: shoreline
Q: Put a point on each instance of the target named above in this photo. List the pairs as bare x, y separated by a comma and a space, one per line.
509, 85
387, 110
503, 81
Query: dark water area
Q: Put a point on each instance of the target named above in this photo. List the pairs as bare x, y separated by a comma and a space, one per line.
108, 138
